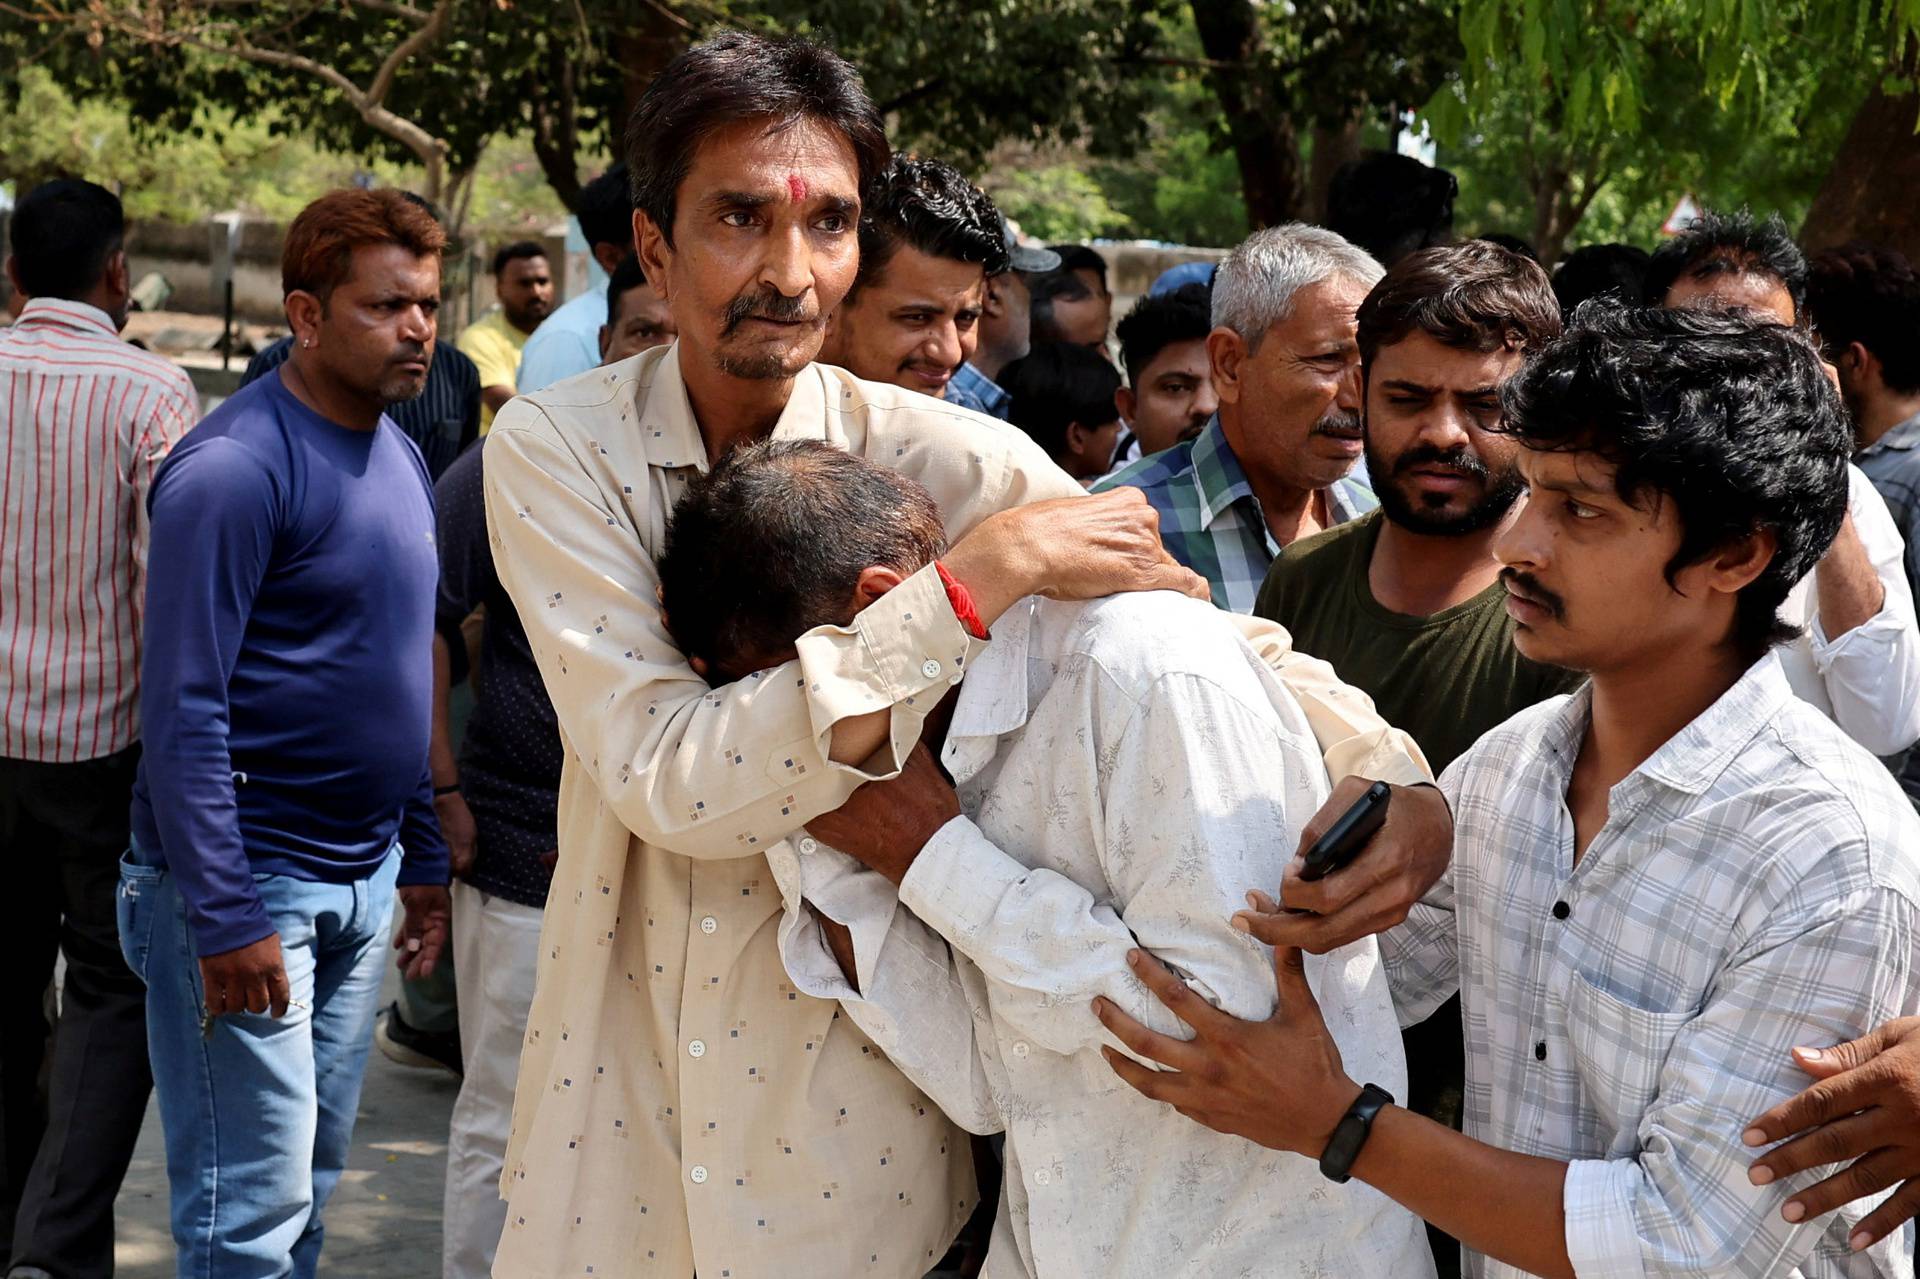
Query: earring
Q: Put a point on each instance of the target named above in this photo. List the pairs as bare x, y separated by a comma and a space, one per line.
306, 343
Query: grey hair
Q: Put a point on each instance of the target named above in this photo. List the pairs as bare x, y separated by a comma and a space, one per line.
1255, 286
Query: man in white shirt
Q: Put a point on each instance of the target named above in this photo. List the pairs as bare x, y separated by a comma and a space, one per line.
1661, 884
1857, 657
1123, 768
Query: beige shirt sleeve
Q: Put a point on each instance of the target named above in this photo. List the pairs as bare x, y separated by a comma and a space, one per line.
1352, 736
703, 772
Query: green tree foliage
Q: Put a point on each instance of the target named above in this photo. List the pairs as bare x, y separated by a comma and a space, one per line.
1565, 114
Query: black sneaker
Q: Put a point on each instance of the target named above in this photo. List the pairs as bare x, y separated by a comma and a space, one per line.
405, 1046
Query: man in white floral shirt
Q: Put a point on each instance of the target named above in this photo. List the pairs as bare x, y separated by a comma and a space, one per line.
1124, 769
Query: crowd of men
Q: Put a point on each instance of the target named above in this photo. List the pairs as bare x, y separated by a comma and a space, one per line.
827, 839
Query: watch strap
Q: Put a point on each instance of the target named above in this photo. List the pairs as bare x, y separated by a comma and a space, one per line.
1350, 1134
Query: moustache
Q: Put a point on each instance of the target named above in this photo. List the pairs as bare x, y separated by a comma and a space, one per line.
1457, 459
1339, 423
766, 304
1528, 587
408, 354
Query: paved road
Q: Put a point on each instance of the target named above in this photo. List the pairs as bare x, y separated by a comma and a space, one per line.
384, 1221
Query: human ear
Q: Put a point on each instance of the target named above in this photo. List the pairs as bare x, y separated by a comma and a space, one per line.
1226, 353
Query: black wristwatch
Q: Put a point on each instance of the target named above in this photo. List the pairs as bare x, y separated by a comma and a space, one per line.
1350, 1134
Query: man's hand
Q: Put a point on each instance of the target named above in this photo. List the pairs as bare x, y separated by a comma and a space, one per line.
424, 931
1071, 548
1865, 1107
458, 829
1278, 1082
1371, 894
252, 979
885, 824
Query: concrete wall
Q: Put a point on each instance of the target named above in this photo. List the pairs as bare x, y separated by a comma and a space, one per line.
183, 254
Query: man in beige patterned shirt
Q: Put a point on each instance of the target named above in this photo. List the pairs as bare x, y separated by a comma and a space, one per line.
681, 1106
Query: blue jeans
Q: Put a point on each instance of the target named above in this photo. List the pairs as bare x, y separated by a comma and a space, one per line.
259, 1114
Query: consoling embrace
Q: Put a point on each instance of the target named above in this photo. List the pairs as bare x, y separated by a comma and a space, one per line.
911, 791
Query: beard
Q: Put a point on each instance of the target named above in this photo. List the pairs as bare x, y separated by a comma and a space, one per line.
528, 320
398, 388
767, 364
1419, 514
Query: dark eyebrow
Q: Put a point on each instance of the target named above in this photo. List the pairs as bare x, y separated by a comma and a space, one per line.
1403, 384
737, 200
1572, 488
841, 204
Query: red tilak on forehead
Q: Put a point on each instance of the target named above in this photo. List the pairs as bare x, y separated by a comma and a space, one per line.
796, 187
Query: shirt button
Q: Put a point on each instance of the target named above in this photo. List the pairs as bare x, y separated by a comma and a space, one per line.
699, 1174
930, 668
1540, 1051
808, 845
1043, 1178
698, 1048
1020, 1049
708, 924
1561, 910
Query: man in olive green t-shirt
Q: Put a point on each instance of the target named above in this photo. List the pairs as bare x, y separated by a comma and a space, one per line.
1407, 601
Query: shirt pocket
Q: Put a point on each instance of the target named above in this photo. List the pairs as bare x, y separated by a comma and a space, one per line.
1619, 1052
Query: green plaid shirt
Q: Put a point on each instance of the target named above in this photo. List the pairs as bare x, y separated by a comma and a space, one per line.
1209, 518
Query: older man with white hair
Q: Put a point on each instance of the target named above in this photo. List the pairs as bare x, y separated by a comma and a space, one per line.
1274, 464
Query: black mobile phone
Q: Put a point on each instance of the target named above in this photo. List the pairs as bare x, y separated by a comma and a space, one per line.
1348, 835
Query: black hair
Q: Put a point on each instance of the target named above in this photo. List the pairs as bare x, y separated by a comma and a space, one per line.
518, 251
1870, 295
1080, 257
740, 76
1731, 420
771, 543
1730, 244
605, 209
628, 275
63, 233
1472, 296
1055, 385
1391, 205
1044, 288
1617, 272
929, 206
1156, 323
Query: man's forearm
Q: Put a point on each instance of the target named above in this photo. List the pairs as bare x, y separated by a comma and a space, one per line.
1849, 592
1506, 1205
440, 757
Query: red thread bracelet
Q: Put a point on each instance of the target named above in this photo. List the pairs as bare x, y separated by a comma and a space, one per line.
962, 601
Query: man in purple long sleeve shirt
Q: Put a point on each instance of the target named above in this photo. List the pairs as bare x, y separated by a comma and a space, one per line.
284, 799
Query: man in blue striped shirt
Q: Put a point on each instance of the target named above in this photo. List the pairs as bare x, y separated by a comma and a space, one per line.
1277, 461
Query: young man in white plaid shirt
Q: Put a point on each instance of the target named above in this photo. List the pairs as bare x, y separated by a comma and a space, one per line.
1661, 883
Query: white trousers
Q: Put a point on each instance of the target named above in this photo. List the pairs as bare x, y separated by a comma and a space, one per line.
495, 945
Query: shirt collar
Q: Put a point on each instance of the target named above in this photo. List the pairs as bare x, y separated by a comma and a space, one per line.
67, 314
1218, 479
1692, 759
1903, 437
669, 432
993, 698
989, 392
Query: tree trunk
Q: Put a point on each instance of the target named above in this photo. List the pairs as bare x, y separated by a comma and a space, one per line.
643, 50
1333, 146
1265, 141
1870, 190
